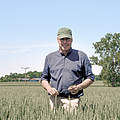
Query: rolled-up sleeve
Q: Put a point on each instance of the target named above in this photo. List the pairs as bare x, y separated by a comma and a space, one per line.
88, 74
46, 71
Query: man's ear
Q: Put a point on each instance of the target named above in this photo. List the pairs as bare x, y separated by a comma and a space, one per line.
58, 39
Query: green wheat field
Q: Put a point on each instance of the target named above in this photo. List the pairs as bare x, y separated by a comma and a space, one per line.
29, 101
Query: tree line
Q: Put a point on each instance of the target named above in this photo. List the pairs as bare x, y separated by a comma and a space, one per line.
15, 76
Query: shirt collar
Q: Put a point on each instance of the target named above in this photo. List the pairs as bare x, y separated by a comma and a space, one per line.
60, 53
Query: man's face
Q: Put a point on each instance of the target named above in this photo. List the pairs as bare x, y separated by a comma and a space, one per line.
64, 43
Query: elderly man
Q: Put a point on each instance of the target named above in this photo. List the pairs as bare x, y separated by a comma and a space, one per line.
66, 73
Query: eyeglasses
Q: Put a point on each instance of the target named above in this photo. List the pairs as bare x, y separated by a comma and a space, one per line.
67, 39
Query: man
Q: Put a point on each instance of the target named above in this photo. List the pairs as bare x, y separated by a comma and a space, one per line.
66, 73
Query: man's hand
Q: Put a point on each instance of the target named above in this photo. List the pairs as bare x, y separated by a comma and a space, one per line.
74, 89
52, 91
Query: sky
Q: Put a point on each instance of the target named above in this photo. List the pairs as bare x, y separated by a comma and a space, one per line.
28, 29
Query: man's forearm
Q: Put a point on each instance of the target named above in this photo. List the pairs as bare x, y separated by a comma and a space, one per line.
85, 84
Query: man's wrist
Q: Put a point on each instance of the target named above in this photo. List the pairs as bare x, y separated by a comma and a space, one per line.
48, 87
80, 87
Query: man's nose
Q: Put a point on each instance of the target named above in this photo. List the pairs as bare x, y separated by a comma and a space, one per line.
65, 40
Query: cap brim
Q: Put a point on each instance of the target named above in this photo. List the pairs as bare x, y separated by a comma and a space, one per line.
64, 36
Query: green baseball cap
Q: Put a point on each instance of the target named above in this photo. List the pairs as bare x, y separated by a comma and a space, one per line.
64, 32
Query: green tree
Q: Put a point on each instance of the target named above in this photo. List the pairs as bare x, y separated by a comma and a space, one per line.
108, 56
34, 74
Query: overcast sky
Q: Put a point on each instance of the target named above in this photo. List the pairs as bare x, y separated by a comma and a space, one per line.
28, 29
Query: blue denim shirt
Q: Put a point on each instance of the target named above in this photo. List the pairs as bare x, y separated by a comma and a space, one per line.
63, 71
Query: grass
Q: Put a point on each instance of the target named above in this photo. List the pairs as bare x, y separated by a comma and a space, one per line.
29, 101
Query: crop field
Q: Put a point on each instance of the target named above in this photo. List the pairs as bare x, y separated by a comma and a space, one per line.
29, 101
